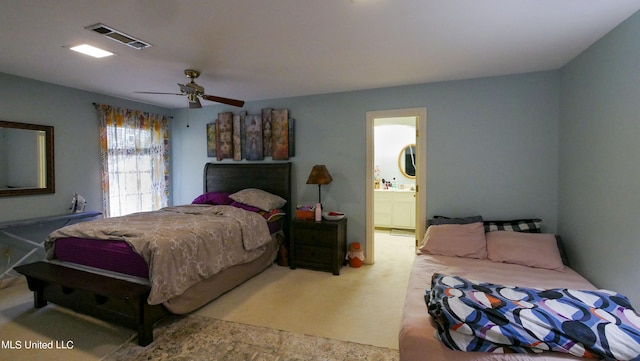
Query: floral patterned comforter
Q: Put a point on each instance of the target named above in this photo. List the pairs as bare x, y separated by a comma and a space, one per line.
181, 244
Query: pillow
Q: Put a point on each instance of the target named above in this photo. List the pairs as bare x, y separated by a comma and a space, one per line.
537, 250
460, 240
436, 220
517, 225
214, 198
258, 198
271, 215
246, 207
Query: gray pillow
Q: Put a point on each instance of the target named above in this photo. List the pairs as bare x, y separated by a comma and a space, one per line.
437, 220
258, 198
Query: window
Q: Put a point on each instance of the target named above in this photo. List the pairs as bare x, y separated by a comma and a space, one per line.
134, 150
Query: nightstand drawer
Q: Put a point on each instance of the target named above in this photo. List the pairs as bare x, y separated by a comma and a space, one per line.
310, 255
315, 237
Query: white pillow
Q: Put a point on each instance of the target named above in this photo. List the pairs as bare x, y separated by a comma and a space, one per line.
258, 198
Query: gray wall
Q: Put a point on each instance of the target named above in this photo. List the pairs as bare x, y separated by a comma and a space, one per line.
492, 146
77, 152
599, 202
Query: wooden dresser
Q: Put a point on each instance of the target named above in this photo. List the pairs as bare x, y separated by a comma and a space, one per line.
318, 245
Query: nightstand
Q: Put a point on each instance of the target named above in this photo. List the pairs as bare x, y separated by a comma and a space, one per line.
318, 245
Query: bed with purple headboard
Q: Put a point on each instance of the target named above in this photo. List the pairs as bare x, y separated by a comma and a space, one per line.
87, 261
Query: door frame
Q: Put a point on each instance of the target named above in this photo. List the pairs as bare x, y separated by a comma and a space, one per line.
421, 173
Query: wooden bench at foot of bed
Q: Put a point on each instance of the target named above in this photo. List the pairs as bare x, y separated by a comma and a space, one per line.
106, 298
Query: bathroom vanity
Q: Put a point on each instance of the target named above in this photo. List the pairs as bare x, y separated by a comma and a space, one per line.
394, 208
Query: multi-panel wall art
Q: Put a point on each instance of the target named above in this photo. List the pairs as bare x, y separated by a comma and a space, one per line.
252, 137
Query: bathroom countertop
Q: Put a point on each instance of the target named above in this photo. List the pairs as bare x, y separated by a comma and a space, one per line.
394, 190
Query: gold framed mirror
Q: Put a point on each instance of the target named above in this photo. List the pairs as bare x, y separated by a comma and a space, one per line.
407, 161
26, 159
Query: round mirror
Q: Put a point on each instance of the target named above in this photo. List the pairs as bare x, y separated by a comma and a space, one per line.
407, 161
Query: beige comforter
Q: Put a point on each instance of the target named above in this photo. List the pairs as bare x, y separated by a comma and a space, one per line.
182, 244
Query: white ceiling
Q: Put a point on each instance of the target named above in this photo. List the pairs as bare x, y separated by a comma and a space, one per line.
265, 49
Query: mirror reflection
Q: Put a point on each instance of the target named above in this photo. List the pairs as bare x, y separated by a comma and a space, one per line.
26, 159
407, 161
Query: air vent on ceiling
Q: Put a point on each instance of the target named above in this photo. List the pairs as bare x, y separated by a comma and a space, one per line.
118, 36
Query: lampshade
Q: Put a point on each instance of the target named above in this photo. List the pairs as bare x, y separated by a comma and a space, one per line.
319, 175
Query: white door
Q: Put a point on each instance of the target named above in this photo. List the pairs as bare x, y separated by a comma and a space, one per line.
420, 117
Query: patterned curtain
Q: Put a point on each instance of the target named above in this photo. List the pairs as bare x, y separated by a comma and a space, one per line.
134, 150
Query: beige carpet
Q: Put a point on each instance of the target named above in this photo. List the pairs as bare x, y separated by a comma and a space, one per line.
361, 306
202, 338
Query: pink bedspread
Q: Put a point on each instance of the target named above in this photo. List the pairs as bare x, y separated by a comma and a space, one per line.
417, 341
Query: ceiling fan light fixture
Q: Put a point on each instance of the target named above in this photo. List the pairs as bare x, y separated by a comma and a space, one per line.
194, 102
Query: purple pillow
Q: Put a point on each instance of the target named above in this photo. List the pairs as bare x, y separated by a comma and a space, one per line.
246, 207
214, 198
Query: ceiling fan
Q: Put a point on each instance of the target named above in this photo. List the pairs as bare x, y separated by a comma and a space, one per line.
194, 91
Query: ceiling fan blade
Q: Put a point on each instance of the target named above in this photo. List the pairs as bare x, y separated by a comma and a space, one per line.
195, 104
158, 93
234, 102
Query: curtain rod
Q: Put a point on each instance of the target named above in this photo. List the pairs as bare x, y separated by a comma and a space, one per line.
95, 105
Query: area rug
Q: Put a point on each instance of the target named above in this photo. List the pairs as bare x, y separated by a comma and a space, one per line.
201, 338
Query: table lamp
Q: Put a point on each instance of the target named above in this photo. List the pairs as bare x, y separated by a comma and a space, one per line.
319, 175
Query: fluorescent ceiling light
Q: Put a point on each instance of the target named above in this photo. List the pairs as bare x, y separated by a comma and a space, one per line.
91, 51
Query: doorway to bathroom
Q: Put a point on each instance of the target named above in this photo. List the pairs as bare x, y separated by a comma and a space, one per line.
396, 176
